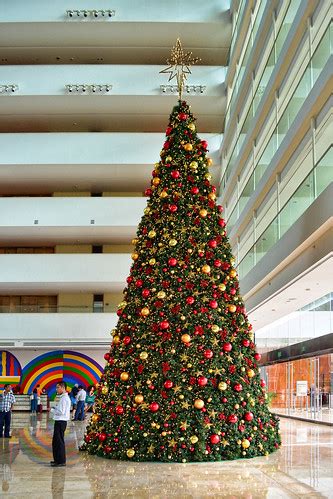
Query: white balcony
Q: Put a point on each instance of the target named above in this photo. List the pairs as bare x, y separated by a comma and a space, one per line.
58, 220
56, 330
135, 102
140, 32
35, 163
63, 273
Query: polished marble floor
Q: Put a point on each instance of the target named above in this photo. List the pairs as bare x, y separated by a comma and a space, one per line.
303, 467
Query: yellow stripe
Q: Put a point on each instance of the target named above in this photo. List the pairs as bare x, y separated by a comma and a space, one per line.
3, 363
8, 379
37, 373
83, 361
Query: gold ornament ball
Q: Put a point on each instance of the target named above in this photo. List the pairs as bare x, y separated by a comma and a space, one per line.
164, 433
151, 234
181, 396
199, 404
193, 439
145, 311
146, 211
134, 256
172, 242
152, 261
134, 241
222, 287
188, 147
205, 269
186, 338
116, 340
246, 443
212, 196
191, 126
236, 406
130, 452
208, 176
194, 165
124, 376
203, 213
222, 386
232, 308
144, 355
161, 295
156, 180
233, 273
95, 418
209, 161
168, 159
105, 390
164, 194
215, 328
138, 399
250, 373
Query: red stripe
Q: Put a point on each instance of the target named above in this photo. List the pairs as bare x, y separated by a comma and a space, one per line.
68, 365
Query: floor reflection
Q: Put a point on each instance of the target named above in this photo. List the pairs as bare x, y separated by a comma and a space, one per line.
303, 467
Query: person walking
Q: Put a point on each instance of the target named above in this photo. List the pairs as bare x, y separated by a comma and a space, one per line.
34, 401
81, 398
6, 405
72, 396
61, 414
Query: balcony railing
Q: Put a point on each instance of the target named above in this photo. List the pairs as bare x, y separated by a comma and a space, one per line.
34, 309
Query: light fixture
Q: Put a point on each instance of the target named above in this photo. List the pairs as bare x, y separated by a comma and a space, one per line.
8, 88
96, 88
92, 13
190, 89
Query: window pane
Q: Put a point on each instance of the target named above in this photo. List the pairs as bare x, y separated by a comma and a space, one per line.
266, 240
297, 204
265, 159
320, 56
324, 172
246, 194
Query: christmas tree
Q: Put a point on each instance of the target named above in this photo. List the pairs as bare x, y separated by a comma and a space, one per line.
181, 381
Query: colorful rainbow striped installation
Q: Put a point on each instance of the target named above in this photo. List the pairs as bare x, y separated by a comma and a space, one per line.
49, 368
10, 369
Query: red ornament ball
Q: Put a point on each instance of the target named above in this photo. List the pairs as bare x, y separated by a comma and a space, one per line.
257, 356
119, 410
154, 407
232, 418
238, 387
246, 342
212, 243
175, 174
102, 437
213, 304
168, 384
208, 354
190, 300
172, 262
173, 208
202, 381
139, 283
195, 190
145, 293
262, 383
164, 325
127, 340
214, 439
248, 416
227, 347
182, 116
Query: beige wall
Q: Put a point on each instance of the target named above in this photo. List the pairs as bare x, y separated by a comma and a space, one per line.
112, 300
75, 300
73, 248
123, 194
117, 248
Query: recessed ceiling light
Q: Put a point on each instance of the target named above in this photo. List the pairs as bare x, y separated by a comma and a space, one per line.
273, 309
307, 289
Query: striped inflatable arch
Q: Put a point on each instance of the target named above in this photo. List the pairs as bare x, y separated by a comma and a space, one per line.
49, 368
10, 369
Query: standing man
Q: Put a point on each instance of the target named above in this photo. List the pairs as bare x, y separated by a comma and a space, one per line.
61, 414
81, 398
6, 406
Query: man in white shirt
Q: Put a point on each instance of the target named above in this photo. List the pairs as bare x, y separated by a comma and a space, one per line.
61, 414
81, 398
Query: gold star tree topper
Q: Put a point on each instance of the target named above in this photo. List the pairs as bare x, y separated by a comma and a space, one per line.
179, 65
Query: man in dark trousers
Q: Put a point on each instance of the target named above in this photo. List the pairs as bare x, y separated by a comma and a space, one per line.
61, 414
6, 405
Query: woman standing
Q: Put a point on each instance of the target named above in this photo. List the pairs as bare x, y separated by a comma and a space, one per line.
34, 401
